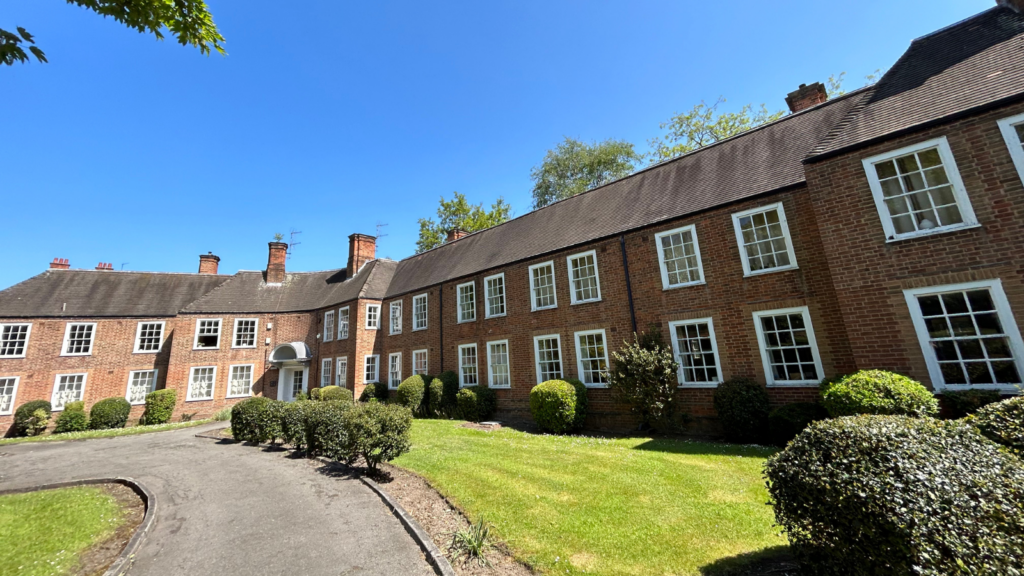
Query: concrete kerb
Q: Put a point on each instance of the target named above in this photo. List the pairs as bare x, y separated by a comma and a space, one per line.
124, 560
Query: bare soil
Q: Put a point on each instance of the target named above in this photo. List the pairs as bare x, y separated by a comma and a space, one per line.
99, 557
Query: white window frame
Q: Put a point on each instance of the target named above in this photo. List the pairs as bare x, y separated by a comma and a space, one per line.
1006, 126
426, 312
533, 288
394, 382
28, 335
56, 382
490, 365
692, 229
536, 355
487, 296
329, 326
572, 279
340, 374
375, 326
14, 394
812, 340
138, 337
325, 370
255, 333
213, 389
131, 377
1003, 311
714, 350
343, 335
392, 328
376, 369
963, 202
579, 357
744, 259
231, 373
476, 355
458, 302
195, 337
67, 337
426, 362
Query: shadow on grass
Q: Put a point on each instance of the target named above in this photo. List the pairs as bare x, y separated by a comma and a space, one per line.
774, 561
703, 447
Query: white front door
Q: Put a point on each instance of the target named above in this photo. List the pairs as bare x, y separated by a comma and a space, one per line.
293, 381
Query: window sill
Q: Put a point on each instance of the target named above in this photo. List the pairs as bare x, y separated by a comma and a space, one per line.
145, 352
932, 232
13, 358
253, 347
585, 302
249, 395
509, 387
701, 386
1010, 388
544, 308
770, 271
394, 333
194, 349
199, 400
595, 385
795, 384
419, 329
372, 328
687, 285
143, 403
502, 315
85, 354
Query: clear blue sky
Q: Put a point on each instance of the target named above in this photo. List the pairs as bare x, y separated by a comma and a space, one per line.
329, 117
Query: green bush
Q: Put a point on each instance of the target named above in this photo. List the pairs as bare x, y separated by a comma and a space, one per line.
369, 393
410, 392
325, 429
159, 407
450, 389
644, 375
1002, 422
582, 403
314, 394
742, 407
335, 394
435, 398
256, 420
28, 421
872, 495
553, 406
382, 393
78, 405
785, 422
377, 432
476, 403
109, 413
222, 415
877, 392
961, 403
71, 421
292, 416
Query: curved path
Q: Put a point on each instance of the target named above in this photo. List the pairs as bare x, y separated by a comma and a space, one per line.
225, 508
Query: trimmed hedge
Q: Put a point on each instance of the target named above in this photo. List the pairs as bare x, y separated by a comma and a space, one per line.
785, 422
72, 421
435, 400
877, 392
742, 407
324, 428
376, 432
476, 403
109, 413
78, 405
1002, 423
410, 392
256, 420
334, 394
582, 402
961, 403
31, 418
159, 407
553, 406
450, 381
292, 416
369, 393
871, 495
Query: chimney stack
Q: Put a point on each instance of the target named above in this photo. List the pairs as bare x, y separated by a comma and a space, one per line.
275, 262
806, 96
60, 264
1015, 5
361, 249
208, 263
105, 266
455, 234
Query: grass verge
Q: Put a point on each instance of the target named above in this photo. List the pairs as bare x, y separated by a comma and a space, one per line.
575, 505
111, 433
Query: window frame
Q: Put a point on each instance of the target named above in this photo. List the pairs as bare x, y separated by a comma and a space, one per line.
1013, 142
255, 333
326, 366
786, 234
714, 350
426, 312
536, 355
328, 335
28, 335
1003, 312
963, 201
14, 394
392, 384
346, 324
131, 376
376, 368
195, 336
487, 296
663, 267
56, 382
67, 338
458, 302
367, 322
426, 362
231, 370
572, 279
811, 338
338, 379
213, 389
490, 364
138, 337
476, 357
396, 305
579, 356
533, 288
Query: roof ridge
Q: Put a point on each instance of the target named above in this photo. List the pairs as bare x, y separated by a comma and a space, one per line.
209, 292
948, 27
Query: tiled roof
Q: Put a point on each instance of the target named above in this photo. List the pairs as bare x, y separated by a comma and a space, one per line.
973, 63
761, 160
72, 293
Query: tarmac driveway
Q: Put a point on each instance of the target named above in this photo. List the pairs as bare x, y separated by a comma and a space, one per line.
231, 509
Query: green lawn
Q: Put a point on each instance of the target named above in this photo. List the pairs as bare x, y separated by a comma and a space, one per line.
130, 431
43, 533
575, 505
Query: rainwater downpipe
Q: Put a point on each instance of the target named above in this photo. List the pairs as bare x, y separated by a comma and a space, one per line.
629, 286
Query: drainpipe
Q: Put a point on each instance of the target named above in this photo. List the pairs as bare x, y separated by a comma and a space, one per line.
440, 311
629, 287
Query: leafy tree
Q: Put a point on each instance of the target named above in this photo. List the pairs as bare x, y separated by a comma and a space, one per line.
643, 375
575, 166
189, 21
835, 82
459, 213
705, 125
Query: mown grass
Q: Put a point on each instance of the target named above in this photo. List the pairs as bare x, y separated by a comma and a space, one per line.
44, 533
111, 433
611, 506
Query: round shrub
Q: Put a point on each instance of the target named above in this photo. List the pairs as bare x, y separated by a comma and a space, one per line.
292, 416
71, 421
553, 406
742, 407
785, 422
159, 407
435, 400
376, 432
961, 403
255, 420
333, 394
27, 418
410, 392
73, 406
450, 381
109, 413
877, 392
870, 495
325, 429
369, 393
476, 403
581, 403
1002, 422
381, 392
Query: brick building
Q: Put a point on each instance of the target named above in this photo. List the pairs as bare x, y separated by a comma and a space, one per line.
879, 229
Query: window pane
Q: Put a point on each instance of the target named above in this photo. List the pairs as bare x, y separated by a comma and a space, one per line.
549, 359
13, 338
764, 241
141, 384
593, 360
499, 364
240, 383
70, 388
208, 334
467, 303
696, 359
343, 323
790, 351
495, 296
245, 333
922, 187
7, 395
584, 278
678, 255
543, 278
79, 339
467, 365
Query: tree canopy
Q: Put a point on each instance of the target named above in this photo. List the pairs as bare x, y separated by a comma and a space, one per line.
189, 21
459, 213
704, 125
575, 166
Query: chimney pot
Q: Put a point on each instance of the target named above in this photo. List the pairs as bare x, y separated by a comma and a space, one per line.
806, 96
275, 262
59, 264
455, 234
208, 263
104, 266
361, 249
1015, 5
